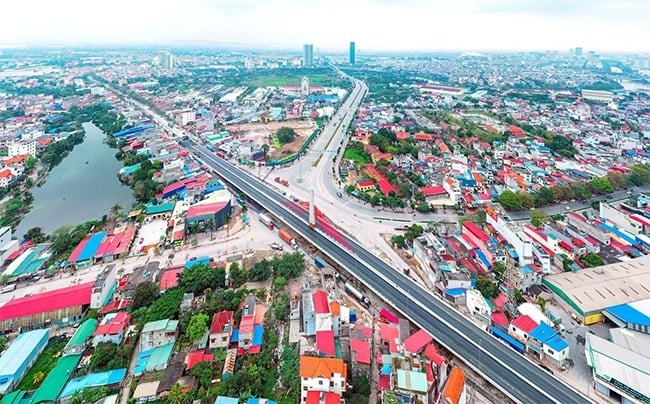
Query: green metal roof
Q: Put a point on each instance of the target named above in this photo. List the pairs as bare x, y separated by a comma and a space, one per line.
85, 331
160, 356
163, 207
56, 379
166, 324
13, 397
414, 381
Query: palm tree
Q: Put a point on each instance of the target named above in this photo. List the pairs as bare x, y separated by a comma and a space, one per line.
176, 395
265, 149
211, 226
228, 217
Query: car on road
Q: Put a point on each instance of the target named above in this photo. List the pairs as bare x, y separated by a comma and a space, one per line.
339, 194
276, 246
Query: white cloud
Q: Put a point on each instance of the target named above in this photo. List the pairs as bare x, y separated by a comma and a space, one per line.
374, 24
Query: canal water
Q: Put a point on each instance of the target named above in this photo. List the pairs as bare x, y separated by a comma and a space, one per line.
83, 187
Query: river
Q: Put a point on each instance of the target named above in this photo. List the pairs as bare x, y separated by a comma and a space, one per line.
83, 187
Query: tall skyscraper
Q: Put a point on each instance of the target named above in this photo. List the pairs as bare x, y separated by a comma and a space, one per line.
308, 55
166, 60
353, 53
578, 52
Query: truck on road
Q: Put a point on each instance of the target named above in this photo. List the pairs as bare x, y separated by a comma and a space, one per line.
266, 220
319, 262
282, 181
288, 238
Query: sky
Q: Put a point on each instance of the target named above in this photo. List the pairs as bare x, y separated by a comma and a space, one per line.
375, 25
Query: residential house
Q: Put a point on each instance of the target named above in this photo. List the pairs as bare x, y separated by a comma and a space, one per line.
157, 333
112, 328
221, 329
322, 376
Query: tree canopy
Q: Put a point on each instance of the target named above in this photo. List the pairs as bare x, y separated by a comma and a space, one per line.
510, 200
285, 135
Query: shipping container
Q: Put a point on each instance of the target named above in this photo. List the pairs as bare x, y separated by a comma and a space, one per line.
266, 220
288, 238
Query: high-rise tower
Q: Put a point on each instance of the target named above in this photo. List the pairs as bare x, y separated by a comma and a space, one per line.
308, 55
353, 53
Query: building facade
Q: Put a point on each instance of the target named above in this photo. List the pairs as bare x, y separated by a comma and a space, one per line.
308, 55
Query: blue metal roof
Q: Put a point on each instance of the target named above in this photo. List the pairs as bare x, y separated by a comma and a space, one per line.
91, 246
455, 292
234, 336
629, 314
93, 380
258, 335
557, 344
543, 333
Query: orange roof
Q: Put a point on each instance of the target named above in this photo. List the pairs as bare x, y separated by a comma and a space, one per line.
16, 159
5, 174
443, 148
454, 387
335, 308
312, 367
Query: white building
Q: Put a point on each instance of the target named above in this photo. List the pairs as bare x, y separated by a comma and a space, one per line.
157, 333
596, 95
513, 236
21, 148
103, 287
304, 86
187, 117
323, 375
477, 305
167, 60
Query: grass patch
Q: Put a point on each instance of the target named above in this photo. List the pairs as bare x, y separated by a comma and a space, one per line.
45, 362
276, 143
287, 80
357, 156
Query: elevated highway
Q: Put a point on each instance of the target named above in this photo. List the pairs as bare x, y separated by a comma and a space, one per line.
516, 376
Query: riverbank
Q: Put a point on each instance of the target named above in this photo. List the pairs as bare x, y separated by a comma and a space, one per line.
82, 188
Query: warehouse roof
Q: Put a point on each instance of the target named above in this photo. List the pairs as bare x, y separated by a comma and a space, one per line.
615, 362
56, 379
49, 301
594, 289
19, 350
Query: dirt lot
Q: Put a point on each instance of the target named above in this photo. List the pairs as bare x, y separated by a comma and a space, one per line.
261, 131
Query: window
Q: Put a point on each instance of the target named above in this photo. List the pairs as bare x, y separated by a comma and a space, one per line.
320, 382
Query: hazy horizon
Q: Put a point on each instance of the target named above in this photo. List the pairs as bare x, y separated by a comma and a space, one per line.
406, 26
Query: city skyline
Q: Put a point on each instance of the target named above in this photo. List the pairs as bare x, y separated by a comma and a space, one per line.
407, 25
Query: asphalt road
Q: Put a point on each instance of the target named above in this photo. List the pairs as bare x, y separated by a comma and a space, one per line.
513, 374
516, 376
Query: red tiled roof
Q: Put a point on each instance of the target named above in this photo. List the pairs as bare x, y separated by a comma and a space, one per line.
389, 334
116, 325
71, 296
525, 323
417, 341
220, 320
206, 209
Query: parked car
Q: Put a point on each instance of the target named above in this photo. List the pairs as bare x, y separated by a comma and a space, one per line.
276, 246
339, 194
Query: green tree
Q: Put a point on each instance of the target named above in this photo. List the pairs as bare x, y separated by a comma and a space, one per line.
145, 294
600, 186
544, 197
285, 135
36, 235
398, 241
499, 271
265, 149
510, 200
537, 217
592, 260
197, 327
519, 297
362, 386
176, 395
639, 174
527, 200
619, 181
487, 288
279, 283
261, 270
212, 225
201, 277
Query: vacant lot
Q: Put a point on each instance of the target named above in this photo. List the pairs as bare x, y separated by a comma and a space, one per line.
43, 365
288, 79
261, 132
357, 156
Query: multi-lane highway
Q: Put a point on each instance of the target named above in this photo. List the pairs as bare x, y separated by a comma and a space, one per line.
520, 379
